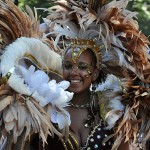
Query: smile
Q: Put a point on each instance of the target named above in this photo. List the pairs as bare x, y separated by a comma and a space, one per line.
75, 81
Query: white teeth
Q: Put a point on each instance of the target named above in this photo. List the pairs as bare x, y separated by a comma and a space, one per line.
75, 81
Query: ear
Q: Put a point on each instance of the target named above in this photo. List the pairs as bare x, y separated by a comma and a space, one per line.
96, 74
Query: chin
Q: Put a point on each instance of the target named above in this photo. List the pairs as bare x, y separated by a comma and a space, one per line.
74, 90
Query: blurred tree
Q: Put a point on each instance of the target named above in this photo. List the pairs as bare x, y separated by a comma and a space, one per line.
16, 2
140, 6
143, 9
37, 4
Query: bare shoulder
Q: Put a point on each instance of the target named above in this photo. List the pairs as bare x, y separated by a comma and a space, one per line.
124, 146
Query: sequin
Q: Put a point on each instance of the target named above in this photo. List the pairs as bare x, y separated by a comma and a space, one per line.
99, 129
103, 144
92, 140
98, 136
95, 146
86, 125
88, 148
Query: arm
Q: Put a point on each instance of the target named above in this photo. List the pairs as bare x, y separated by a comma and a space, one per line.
126, 146
123, 146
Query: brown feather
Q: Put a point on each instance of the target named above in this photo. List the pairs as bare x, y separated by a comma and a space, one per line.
16, 23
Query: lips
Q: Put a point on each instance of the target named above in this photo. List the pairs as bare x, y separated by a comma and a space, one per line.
75, 83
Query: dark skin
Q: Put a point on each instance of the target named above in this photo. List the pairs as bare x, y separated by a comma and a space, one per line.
80, 84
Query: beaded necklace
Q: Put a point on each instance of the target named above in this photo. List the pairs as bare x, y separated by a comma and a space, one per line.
87, 105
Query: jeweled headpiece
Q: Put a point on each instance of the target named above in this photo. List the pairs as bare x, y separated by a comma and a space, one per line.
80, 45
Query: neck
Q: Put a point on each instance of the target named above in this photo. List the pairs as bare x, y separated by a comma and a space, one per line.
81, 98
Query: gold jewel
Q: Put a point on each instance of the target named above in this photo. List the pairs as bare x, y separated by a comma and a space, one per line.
80, 45
87, 105
76, 142
89, 72
3, 80
64, 144
70, 144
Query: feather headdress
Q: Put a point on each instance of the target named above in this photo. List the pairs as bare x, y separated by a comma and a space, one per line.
125, 55
111, 25
15, 23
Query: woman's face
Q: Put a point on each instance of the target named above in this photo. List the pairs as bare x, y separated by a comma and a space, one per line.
79, 74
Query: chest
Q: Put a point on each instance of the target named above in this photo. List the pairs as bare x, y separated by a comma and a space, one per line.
78, 119
88, 137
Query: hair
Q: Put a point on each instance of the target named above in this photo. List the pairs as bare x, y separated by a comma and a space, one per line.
101, 76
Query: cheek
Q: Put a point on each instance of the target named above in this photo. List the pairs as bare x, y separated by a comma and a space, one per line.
88, 74
65, 74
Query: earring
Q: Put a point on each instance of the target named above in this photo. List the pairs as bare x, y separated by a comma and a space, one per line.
91, 113
93, 87
94, 98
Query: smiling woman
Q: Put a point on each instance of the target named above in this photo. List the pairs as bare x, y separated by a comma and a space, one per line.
81, 67
103, 101
103, 61
80, 73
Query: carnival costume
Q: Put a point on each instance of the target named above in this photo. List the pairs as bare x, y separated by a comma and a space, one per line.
121, 49
29, 105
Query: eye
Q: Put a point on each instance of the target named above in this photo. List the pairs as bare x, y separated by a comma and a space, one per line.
67, 65
84, 66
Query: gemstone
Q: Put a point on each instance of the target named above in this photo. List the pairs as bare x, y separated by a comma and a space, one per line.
103, 144
95, 146
86, 125
99, 129
98, 136
92, 140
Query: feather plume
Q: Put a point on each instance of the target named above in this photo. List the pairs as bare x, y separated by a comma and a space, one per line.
124, 101
118, 31
5, 102
125, 54
15, 23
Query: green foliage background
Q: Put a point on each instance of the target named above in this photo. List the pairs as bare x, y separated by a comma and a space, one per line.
143, 9
140, 6
37, 4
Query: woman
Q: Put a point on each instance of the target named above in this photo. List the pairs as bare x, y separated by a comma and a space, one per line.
81, 67
124, 61
124, 56
82, 71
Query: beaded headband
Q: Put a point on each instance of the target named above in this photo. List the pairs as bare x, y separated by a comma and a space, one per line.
80, 45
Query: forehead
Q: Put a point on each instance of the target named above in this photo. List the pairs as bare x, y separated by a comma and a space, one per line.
85, 56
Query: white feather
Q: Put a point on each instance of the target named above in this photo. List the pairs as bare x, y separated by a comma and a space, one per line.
111, 83
15, 51
17, 83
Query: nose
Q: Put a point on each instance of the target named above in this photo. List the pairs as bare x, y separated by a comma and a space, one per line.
74, 70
